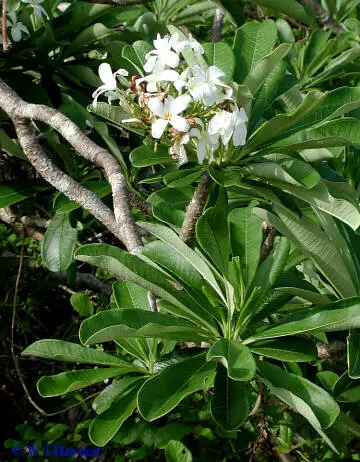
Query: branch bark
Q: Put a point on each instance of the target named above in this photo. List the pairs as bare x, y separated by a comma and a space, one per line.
325, 18
5, 39
195, 210
28, 226
218, 24
120, 222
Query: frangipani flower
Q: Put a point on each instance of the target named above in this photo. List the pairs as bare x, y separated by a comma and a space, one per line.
204, 83
162, 55
240, 130
109, 80
227, 124
16, 26
169, 111
205, 141
38, 9
153, 79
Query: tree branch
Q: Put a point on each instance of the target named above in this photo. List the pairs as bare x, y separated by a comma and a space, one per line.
121, 222
195, 210
85, 280
268, 243
218, 24
119, 2
325, 18
4, 28
28, 226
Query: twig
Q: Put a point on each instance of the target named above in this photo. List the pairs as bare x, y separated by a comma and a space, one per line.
27, 226
328, 350
15, 358
255, 410
195, 210
4, 27
268, 243
85, 280
218, 24
325, 18
121, 222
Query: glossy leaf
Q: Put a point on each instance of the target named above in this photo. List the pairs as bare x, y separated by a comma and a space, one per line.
129, 295
160, 394
322, 404
175, 451
106, 425
246, 239
213, 236
60, 384
353, 353
115, 391
229, 404
82, 304
339, 315
286, 349
129, 267
221, 55
110, 325
12, 192
60, 350
235, 357
253, 41
59, 242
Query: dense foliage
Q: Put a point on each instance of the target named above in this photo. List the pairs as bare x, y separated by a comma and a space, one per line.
187, 288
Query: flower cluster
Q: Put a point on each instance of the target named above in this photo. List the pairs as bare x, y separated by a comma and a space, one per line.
188, 107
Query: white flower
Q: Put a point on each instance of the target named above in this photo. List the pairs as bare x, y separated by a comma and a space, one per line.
16, 26
240, 130
38, 9
190, 43
222, 125
205, 141
169, 113
177, 151
227, 124
153, 79
109, 80
204, 83
162, 56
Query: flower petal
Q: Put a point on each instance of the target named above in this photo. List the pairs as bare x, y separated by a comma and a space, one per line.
201, 150
168, 76
158, 127
179, 123
105, 73
240, 135
150, 63
156, 106
172, 59
179, 104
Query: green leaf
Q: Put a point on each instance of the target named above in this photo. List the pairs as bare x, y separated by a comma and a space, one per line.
175, 451
286, 349
235, 357
314, 243
169, 237
162, 393
246, 240
339, 315
229, 405
353, 353
253, 41
145, 156
322, 404
221, 55
136, 53
60, 384
117, 115
129, 295
9, 146
82, 304
106, 425
59, 350
174, 197
291, 8
12, 192
300, 406
58, 245
129, 267
115, 391
317, 42
213, 235
110, 325
55, 432
89, 35
327, 380
263, 68
281, 125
